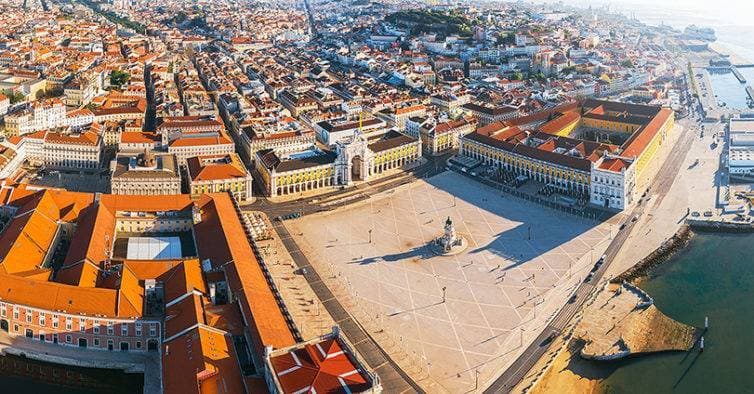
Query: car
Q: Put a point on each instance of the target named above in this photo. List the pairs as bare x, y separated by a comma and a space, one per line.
635, 218
695, 214
707, 214
549, 339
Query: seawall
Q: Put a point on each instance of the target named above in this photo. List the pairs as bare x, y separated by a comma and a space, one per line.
659, 255
719, 226
738, 74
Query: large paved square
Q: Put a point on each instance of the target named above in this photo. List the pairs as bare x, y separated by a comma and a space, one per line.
521, 264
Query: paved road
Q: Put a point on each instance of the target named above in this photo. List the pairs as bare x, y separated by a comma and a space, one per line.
521, 366
393, 378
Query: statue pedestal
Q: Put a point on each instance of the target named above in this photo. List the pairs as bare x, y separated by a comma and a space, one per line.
450, 243
441, 249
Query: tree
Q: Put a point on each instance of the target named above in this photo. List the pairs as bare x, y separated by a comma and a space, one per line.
14, 97
506, 39
627, 63
518, 75
119, 78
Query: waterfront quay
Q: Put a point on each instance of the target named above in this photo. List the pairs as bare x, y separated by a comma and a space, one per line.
738, 74
622, 321
714, 97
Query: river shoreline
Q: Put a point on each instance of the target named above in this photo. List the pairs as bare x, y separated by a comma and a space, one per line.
658, 256
571, 372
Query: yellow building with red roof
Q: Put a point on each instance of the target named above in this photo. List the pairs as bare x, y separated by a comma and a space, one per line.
597, 152
219, 173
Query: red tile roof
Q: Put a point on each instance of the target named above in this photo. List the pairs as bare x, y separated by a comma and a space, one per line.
635, 145
86, 138
209, 168
554, 126
322, 367
132, 137
221, 239
202, 361
615, 165
89, 247
200, 141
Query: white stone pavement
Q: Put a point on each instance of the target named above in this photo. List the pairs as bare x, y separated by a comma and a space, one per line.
515, 274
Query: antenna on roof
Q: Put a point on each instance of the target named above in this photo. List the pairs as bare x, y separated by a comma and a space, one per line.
107, 253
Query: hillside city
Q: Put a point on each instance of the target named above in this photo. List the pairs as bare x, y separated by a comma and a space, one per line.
327, 196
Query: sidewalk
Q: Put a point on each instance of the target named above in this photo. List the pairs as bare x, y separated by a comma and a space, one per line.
307, 311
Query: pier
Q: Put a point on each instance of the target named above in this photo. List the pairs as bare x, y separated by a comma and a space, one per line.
750, 92
622, 321
738, 74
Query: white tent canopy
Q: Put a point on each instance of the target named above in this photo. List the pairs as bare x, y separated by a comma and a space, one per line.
154, 248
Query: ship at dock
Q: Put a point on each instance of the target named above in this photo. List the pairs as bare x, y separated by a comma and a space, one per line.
694, 32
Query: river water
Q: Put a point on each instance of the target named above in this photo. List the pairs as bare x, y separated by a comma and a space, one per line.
729, 91
20, 375
714, 277
731, 19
